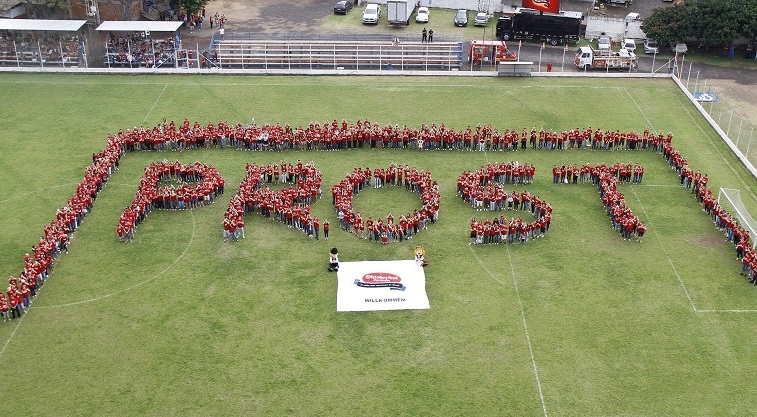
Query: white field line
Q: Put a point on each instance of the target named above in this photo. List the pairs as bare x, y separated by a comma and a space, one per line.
528, 336
665, 252
685, 290
640, 110
7, 342
189, 244
156, 102
722, 157
523, 319
303, 84
28, 193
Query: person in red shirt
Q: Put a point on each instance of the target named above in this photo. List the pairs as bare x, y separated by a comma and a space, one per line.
316, 227
640, 229
325, 230
4, 308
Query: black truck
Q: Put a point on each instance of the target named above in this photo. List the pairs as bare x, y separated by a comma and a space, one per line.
531, 24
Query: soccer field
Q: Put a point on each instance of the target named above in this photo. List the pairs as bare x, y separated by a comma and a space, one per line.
179, 322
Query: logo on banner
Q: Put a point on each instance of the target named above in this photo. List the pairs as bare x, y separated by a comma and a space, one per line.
550, 6
381, 280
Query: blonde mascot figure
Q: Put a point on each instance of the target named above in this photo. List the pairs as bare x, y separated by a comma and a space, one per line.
420, 254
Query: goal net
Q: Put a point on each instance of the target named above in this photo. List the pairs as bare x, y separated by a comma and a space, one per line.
730, 199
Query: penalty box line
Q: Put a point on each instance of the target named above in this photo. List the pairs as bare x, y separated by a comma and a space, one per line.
678, 276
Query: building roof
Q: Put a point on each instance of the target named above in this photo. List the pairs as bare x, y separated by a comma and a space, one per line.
138, 26
38, 24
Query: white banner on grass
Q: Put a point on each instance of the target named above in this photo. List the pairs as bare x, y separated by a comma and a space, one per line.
381, 285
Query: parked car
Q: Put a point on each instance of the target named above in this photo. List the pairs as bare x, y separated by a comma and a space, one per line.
679, 48
629, 45
461, 18
422, 15
604, 43
371, 14
650, 47
343, 7
482, 19
632, 17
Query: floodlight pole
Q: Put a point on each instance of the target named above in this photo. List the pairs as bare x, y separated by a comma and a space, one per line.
564, 51
39, 48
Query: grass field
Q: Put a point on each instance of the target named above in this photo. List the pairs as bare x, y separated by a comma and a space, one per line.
181, 323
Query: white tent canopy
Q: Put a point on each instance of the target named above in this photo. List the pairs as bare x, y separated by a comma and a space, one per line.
138, 26
44, 25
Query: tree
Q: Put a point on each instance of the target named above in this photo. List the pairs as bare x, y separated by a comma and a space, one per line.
713, 22
667, 24
192, 6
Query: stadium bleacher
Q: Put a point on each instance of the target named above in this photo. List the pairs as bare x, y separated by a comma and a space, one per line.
337, 54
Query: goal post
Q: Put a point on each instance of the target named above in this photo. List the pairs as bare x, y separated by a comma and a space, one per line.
733, 197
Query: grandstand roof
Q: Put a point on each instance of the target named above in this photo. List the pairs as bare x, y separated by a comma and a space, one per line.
38, 24
138, 26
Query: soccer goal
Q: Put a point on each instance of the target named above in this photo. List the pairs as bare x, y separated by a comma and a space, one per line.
733, 198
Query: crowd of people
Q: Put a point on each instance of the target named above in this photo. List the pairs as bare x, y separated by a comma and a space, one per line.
290, 205
393, 229
58, 233
607, 178
27, 47
140, 50
484, 190
696, 182
198, 185
334, 136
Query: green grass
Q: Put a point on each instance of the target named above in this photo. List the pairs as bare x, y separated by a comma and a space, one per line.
180, 323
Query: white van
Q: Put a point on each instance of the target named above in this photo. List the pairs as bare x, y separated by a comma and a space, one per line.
629, 45
371, 14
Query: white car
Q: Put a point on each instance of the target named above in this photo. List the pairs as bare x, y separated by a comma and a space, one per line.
422, 15
629, 45
482, 19
371, 14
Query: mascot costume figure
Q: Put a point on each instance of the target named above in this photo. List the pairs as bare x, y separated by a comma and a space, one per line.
333, 260
420, 254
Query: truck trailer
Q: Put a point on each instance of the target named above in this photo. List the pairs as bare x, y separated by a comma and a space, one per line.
399, 11
587, 58
548, 27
